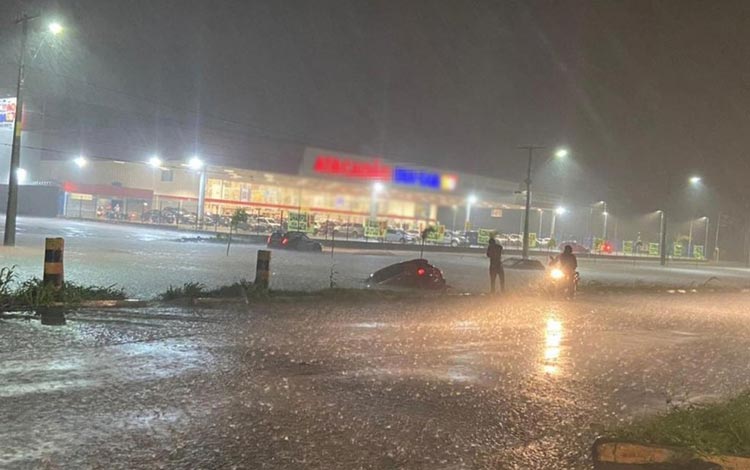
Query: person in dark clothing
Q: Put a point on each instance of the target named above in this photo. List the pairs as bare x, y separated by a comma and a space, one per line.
568, 263
495, 254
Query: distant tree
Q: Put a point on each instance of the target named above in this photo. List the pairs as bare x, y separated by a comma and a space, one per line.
238, 217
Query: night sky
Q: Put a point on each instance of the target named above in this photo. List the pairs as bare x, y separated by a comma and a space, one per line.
636, 89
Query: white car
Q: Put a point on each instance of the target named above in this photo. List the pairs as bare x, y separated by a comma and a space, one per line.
393, 235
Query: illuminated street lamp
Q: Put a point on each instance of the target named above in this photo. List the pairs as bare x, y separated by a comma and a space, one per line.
55, 28
9, 236
695, 181
195, 163
22, 175
155, 161
560, 153
80, 161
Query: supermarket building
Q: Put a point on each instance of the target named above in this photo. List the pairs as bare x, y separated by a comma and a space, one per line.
328, 185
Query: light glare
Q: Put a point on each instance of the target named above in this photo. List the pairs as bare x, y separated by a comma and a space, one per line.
55, 28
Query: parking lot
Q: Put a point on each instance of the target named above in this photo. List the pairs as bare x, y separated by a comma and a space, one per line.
146, 261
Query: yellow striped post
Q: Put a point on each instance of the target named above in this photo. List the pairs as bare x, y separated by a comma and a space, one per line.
263, 269
53, 262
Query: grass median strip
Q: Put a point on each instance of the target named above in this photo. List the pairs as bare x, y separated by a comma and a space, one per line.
711, 429
33, 293
245, 289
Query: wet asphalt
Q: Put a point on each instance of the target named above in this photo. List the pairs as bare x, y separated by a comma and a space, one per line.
519, 382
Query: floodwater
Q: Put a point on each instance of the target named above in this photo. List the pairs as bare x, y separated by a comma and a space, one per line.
454, 382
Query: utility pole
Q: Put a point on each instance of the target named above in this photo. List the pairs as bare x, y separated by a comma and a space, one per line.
606, 215
663, 239
705, 240
690, 237
15, 151
530, 148
541, 221
716, 243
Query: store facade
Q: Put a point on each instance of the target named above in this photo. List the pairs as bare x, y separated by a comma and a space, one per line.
328, 186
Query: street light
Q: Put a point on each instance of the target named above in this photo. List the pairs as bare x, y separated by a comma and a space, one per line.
9, 236
55, 28
22, 175
690, 233
80, 161
694, 180
195, 163
560, 153
155, 161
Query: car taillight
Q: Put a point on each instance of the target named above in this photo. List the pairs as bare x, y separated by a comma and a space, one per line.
420, 272
285, 241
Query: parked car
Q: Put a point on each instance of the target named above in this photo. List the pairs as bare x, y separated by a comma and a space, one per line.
577, 247
265, 224
350, 230
515, 239
472, 237
152, 216
393, 235
328, 228
293, 241
415, 274
455, 239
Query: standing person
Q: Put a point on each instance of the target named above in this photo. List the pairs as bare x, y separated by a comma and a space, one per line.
495, 254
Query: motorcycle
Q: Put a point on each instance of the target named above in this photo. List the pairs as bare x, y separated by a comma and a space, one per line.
558, 282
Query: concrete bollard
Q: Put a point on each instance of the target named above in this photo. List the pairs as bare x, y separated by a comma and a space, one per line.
263, 269
53, 262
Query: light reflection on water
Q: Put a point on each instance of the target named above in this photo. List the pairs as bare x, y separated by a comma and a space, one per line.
553, 334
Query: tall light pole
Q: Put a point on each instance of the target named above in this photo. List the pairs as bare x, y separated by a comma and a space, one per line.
560, 153
705, 239
605, 214
9, 236
541, 219
694, 181
555, 213
195, 163
15, 151
471, 200
716, 243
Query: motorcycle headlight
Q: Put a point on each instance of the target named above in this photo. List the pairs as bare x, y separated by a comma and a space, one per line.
557, 274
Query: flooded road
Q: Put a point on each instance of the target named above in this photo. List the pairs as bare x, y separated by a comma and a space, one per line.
458, 382
145, 261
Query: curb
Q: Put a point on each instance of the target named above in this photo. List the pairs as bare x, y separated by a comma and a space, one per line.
610, 454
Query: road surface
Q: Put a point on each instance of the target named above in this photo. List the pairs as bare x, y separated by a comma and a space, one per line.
146, 261
456, 382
